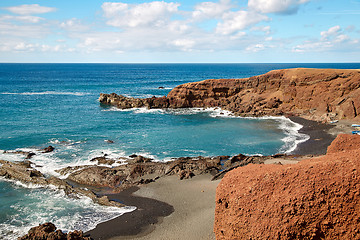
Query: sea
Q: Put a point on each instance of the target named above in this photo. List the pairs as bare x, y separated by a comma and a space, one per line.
57, 105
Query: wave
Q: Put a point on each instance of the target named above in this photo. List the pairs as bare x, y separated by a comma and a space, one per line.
47, 93
49, 205
294, 137
136, 110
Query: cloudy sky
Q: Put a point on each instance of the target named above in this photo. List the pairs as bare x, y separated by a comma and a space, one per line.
180, 31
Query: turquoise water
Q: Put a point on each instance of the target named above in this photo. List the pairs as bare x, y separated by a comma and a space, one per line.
56, 104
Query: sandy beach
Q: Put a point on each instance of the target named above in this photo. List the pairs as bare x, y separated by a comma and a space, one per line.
174, 209
187, 214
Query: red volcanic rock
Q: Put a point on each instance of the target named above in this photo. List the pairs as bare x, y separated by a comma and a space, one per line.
344, 142
47, 231
317, 198
315, 94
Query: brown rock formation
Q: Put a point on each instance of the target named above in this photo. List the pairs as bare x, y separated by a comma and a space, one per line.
315, 94
315, 199
48, 231
23, 172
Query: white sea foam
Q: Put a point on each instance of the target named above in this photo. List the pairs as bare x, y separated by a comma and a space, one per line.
294, 137
46, 93
47, 205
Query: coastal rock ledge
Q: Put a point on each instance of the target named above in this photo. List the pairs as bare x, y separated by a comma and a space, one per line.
314, 94
318, 198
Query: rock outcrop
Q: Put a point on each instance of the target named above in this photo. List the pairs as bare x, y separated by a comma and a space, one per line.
25, 173
314, 94
48, 231
317, 198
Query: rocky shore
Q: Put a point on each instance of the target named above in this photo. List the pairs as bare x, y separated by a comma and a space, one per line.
316, 94
322, 95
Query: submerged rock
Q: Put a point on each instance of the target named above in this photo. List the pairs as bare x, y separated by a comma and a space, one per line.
48, 149
28, 155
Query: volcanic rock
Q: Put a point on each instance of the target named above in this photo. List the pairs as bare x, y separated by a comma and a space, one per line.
48, 149
317, 198
23, 172
28, 155
48, 231
314, 94
103, 160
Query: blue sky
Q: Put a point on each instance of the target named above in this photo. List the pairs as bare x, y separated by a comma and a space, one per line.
180, 31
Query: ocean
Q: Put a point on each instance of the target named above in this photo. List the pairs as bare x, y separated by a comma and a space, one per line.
57, 104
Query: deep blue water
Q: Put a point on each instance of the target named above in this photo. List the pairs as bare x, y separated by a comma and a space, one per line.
56, 104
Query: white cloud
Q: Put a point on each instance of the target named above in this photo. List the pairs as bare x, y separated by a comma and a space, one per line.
146, 14
331, 39
276, 6
265, 29
27, 19
211, 9
237, 21
74, 24
184, 44
255, 47
333, 31
30, 9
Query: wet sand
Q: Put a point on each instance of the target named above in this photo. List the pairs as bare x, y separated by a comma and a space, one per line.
174, 209
321, 135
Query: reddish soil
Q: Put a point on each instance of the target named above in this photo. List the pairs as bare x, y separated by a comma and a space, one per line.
318, 198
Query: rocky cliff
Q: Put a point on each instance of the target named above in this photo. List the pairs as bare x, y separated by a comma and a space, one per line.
315, 199
315, 94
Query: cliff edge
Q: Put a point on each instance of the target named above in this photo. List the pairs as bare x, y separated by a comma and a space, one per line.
315, 94
317, 198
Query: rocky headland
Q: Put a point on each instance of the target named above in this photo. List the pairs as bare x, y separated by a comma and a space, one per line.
315, 94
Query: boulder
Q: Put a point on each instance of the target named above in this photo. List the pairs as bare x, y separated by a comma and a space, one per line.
48, 231
48, 149
317, 198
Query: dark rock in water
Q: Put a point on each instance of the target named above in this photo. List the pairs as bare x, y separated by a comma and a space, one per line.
109, 141
48, 149
23, 172
139, 159
160, 87
133, 156
48, 231
27, 155
103, 160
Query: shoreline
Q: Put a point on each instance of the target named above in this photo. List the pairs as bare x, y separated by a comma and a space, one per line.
157, 208
319, 140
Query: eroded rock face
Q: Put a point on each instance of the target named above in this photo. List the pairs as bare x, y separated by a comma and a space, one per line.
48, 231
318, 198
315, 94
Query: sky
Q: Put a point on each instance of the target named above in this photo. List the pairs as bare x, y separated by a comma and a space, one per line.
183, 31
